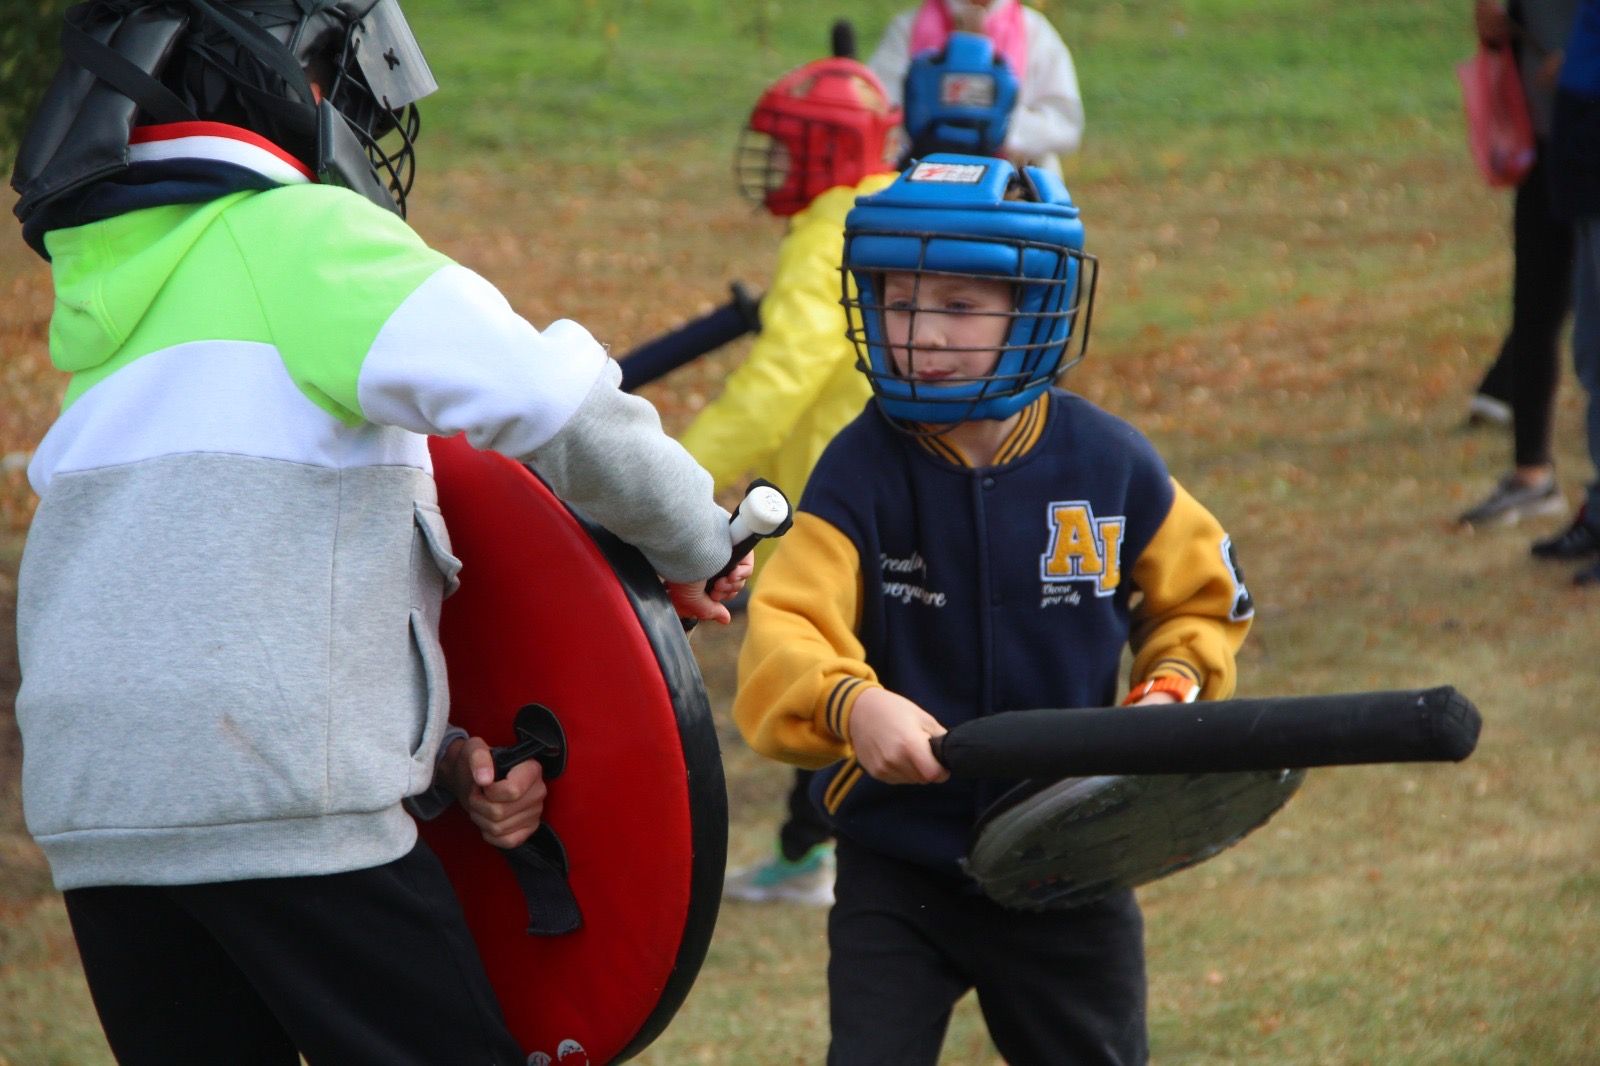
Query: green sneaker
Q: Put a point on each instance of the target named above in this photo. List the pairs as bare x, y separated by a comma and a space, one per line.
807, 881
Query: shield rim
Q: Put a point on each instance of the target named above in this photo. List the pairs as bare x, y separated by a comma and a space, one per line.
702, 756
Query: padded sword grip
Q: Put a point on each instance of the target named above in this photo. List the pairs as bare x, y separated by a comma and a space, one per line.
1422, 725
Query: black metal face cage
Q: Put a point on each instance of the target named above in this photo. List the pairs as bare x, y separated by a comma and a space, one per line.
374, 121
370, 119
764, 163
1022, 363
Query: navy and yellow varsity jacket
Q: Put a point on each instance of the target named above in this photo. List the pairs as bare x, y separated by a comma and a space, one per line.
975, 591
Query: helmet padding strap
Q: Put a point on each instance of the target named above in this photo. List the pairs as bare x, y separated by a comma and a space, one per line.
105, 63
263, 45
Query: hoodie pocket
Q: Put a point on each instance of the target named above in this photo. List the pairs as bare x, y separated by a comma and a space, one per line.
434, 699
434, 568
434, 575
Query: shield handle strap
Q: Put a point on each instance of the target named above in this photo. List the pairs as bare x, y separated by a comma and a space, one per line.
540, 862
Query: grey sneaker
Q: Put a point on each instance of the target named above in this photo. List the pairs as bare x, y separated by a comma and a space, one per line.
808, 881
1512, 501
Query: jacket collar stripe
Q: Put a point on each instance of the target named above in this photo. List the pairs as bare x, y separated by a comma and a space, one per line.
217, 142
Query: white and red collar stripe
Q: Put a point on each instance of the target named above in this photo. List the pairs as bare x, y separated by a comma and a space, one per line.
218, 142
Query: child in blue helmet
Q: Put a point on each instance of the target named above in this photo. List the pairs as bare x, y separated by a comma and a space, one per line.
959, 99
979, 541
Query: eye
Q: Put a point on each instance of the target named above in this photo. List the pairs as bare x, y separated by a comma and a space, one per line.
902, 304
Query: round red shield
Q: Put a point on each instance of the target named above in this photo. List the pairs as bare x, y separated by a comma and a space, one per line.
555, 611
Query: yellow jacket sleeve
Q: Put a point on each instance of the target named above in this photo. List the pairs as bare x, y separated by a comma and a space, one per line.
802, 666
801, 359
1195, 610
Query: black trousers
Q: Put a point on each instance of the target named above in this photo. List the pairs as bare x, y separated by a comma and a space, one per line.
1528, 368
804, 827
1059, 988
372, 966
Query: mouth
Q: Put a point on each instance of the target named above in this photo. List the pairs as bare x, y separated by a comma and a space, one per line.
934, 375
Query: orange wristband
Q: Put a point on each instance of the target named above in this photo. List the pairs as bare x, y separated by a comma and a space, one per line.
1181, 687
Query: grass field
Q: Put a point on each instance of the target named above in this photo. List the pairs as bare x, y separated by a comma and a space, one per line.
1301, 280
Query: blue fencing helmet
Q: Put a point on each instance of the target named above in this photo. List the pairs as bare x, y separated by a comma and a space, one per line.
970, 217
959, 98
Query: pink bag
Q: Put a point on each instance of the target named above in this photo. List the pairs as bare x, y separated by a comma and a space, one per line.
1499, 131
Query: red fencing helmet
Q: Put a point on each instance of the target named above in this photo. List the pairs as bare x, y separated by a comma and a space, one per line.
825, 124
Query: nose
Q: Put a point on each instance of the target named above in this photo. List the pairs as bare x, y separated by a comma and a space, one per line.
930, 330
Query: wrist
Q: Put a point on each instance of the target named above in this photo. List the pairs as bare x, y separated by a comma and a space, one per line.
451, 765
845, 697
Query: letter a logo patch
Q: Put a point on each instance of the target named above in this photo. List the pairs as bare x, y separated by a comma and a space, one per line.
1083, 547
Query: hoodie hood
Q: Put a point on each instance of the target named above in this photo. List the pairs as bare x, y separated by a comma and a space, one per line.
108, 274
110, 270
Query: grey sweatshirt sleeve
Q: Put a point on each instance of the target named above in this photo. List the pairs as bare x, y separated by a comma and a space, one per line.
455, 358
612, 461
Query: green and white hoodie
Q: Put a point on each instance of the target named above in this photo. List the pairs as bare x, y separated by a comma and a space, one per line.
229, 598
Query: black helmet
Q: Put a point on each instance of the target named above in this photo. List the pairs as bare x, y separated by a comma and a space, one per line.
242, 62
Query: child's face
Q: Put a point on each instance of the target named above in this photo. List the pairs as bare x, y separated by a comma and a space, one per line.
945, 328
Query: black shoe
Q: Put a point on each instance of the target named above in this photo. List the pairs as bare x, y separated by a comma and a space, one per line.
1587, 578
1578, 541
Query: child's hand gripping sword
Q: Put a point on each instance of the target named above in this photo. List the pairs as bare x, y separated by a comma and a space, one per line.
764, 512
1343, 729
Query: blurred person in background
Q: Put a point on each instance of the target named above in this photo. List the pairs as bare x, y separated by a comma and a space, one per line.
1519, 389
1575, 188
1047, 122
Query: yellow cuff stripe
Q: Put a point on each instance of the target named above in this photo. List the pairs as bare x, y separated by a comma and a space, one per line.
833, 713
841, 785
1177, 666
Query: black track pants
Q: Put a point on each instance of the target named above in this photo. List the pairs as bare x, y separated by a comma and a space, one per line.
1528, 369
372, 966
1061, 988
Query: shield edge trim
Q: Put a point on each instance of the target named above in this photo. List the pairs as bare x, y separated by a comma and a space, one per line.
708, 796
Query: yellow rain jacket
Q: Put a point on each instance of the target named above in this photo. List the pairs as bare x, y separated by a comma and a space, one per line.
799, 386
